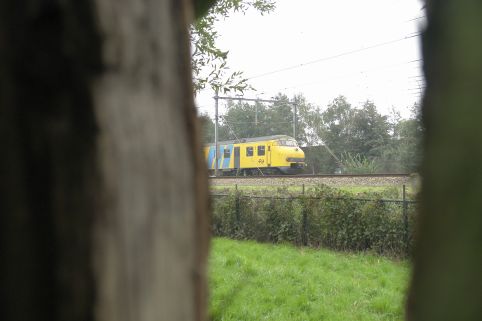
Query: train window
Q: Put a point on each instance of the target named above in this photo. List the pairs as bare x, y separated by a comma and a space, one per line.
227, 153
249, 151
291, 143
261, 150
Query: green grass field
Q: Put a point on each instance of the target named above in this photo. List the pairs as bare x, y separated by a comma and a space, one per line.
251, 281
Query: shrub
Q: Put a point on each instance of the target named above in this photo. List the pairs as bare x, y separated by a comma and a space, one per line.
326, 217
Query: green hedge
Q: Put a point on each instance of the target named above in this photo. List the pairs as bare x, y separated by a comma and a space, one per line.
324, 218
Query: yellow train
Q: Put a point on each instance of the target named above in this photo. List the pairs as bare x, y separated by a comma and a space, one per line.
278, 154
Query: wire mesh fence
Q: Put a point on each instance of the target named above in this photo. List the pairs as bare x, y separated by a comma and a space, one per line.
324, 218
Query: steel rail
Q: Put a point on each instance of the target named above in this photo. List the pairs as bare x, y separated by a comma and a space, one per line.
314, 176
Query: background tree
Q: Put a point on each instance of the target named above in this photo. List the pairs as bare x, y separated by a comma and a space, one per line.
280, 115
403, 152
244, 120
339, 138
307, 115
207, 126
318, 160
333, 126
370, 131
279, 120
360, 135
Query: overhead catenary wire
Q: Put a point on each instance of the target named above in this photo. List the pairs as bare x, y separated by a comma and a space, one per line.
409, 31
346, 53
228, 123
347, 75
416, 18
408, 36
259, 122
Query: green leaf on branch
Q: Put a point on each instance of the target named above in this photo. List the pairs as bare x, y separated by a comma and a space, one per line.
209, 63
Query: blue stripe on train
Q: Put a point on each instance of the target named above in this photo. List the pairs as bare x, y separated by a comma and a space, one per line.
221, 154
226, 160
212, 151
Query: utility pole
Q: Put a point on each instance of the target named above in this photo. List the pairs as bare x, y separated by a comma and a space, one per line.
216, 118
294, 121
256, 100
256, 113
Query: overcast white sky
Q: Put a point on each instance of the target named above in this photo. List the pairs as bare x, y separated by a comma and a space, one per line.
364, 50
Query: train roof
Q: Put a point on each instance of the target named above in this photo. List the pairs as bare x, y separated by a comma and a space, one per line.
253, 139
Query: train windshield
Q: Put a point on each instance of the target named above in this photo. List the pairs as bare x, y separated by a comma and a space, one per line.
287, 142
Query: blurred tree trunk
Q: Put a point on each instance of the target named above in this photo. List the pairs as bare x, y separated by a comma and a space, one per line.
102, 185
447, 280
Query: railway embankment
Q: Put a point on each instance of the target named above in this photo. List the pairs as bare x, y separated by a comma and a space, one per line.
315, 180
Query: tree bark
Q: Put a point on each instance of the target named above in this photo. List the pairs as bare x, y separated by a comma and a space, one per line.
447, 283
103, 193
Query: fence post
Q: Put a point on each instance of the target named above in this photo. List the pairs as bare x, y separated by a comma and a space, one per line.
304, 226
405, 219
237, 210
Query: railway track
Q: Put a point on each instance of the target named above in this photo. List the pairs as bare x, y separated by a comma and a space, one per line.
331, 180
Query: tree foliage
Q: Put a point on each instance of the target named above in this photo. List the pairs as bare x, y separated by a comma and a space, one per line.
243, 119
358, 164
403, 153
364, 139
335, 124
339, 138
207, 125
209, 63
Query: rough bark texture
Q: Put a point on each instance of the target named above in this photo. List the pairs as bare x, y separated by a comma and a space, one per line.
447, 280
146, 261
102, 192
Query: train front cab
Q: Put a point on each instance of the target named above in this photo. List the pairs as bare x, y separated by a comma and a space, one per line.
287, 156
280, 155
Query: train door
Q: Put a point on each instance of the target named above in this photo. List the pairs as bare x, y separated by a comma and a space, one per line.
236, 157
268, 155
262, 156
